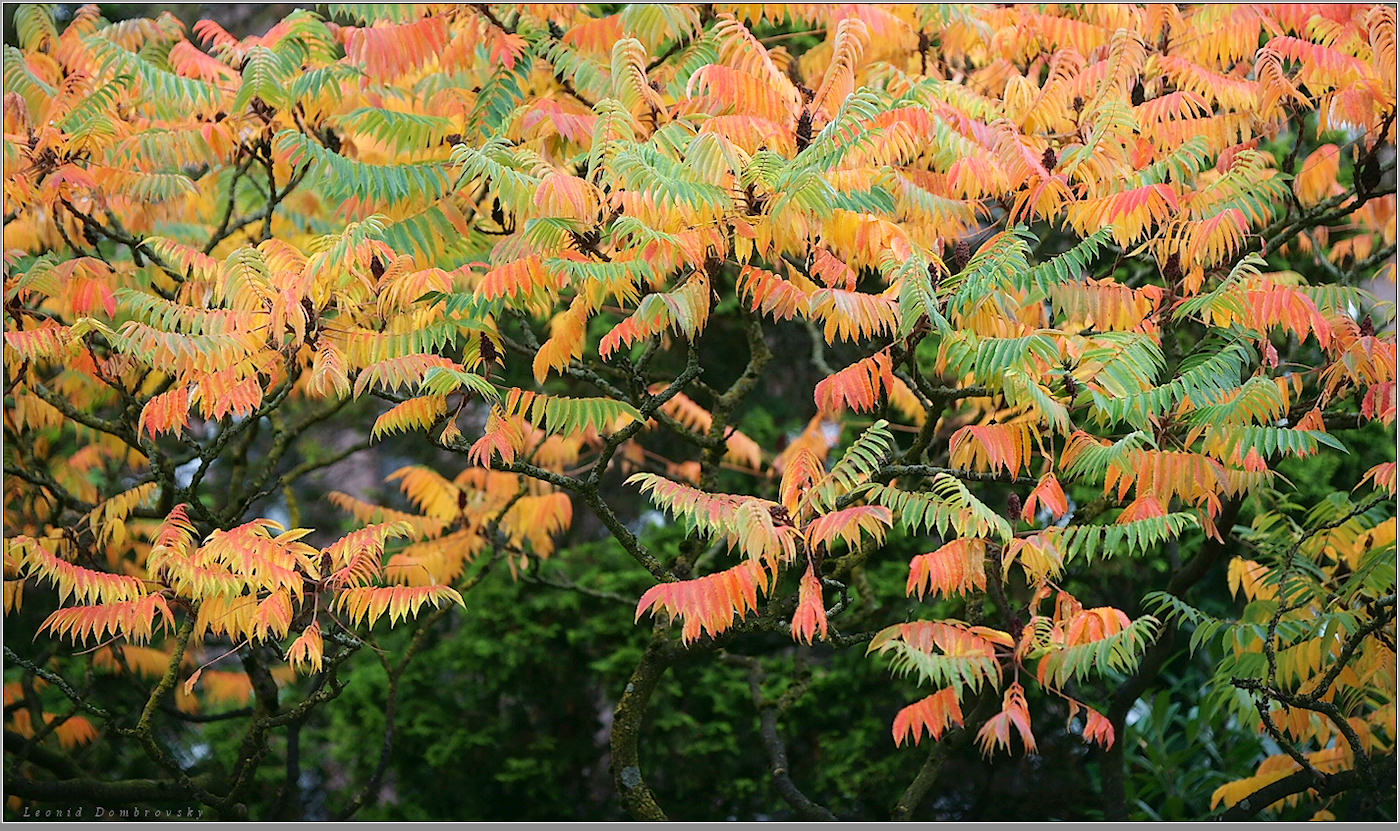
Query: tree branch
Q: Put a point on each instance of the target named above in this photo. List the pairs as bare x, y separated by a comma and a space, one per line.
775, 746
89, 790
1331, 784
636, 795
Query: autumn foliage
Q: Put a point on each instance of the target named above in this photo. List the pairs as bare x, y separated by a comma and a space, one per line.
1031, 292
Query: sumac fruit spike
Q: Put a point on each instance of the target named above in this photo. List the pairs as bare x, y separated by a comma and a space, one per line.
804, 130
1171, 270
489, 353
962, 253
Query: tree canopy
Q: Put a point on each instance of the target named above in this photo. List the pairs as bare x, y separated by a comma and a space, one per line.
702, 411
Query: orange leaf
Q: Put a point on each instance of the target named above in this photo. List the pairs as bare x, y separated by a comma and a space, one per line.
1049, 495
992, 447
957, 567
848, 524
932, 715
858, 386
710, 603
996, 733
778, 298
1094, 625
804, 469
811, 611
166, 413
1098, 729
307, 649
192, 680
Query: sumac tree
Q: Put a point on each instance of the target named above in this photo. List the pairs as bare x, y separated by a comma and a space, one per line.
1018, 295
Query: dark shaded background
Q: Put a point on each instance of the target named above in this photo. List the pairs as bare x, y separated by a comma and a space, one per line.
240, 19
